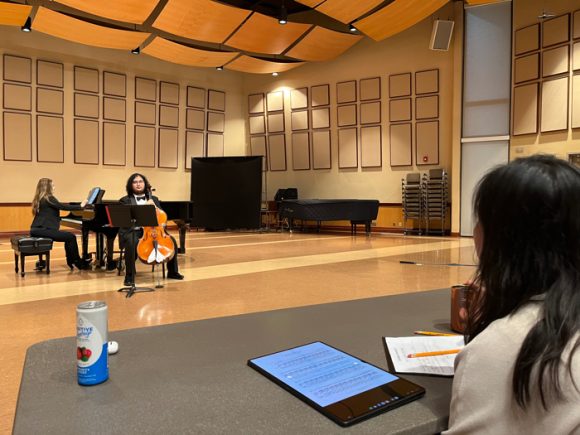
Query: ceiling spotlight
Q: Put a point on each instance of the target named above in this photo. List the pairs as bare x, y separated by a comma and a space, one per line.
352, 29
27, 25
545, 15
283, 17
136, 51
219, 68
275, 74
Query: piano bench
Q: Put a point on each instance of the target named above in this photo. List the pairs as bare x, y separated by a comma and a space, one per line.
25, 245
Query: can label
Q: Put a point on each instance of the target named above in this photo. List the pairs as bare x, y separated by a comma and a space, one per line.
92, 347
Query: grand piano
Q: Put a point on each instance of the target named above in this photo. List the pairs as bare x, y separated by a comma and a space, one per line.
93, 220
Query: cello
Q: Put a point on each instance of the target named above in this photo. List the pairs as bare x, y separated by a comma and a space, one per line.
156, 246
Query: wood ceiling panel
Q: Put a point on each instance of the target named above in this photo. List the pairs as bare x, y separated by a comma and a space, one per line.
65, 27
202, 20
397, 16
323, 44
128, 11
347, 11
181, 54
481, 2
262, 34
13, 15
259, 66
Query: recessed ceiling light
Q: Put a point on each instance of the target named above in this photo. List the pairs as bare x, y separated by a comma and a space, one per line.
219, 68
136, 50
352, 29
275, 74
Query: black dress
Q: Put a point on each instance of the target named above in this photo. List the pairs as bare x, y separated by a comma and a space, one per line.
46, 223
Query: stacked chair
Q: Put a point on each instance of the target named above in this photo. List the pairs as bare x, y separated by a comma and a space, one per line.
425, 202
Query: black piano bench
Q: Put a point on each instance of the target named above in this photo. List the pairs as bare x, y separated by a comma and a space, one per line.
25, 245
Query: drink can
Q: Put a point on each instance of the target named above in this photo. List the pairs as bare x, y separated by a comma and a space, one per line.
92, 343
460, 298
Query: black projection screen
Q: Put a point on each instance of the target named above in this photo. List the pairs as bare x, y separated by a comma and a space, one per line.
226, 192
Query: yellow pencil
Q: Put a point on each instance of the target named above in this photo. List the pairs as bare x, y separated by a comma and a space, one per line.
433, 333
435, 353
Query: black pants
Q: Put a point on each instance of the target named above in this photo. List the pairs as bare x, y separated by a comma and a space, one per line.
130, 242
71, 247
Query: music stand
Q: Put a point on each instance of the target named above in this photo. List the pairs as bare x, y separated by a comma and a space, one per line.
132, 216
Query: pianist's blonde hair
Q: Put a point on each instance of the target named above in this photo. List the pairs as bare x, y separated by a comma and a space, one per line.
43, 191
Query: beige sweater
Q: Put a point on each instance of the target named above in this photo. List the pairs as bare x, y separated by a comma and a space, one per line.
482, 399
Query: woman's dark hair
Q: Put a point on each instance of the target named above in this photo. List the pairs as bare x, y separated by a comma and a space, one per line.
129, 186
529, 211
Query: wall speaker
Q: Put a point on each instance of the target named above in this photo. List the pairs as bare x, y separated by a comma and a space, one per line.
441, 35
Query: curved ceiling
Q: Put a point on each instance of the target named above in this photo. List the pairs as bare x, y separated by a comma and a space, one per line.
242, 35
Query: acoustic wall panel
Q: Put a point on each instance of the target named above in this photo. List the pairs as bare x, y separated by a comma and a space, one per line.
576, 101
527, 39
401, 141
576, 55
527, 68
400, 85
86, 79
277, 152
114, 109
370, 89
556, 61
195, 99
194, 146
321, 117
215, 145
49, 139
347, 148
554, 113
17, 69
49, 73
144, 150
145, 113
86, 134
427, 82
275, 101
275, 122
370, 113
168, 146
346, 115
114, 84
145, 89
216, 100
114, 143
256, 103
371, 147
168, 93
299, 120
400, 110
257, 124
258, 148
299, 98
17, 97
216, 122
300, 151
427, 143
576, 28
556, 31
49, 101
320, 95
321, 154
427, 107
86, 105
168, 116
195, 120
346, 92
525, 109
17, 129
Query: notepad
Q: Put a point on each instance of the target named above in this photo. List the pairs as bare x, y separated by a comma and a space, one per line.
442, 365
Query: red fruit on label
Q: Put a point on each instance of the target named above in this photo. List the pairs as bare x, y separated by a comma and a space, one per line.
88, 353
79, 353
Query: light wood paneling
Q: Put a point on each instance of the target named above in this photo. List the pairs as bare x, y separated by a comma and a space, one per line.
322, 44
258, 66
347, 11
177, 53
482, 2
65, 27
397, 16
128, 11
13, 15
202, 20
311, 3
262, 34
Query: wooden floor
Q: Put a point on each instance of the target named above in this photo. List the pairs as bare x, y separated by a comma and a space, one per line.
225, 274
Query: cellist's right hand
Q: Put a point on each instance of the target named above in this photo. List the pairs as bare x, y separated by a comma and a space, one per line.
150, 202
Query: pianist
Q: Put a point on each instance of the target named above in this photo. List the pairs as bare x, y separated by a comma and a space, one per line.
139, 193
46, 211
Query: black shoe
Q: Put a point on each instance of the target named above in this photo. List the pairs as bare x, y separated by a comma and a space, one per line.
81, 264
129, 281
174, 275
111, 265
40, 265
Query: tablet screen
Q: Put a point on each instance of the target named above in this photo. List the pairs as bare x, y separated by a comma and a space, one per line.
330, 378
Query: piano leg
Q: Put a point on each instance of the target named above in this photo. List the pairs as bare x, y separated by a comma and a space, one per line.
182, 227
100, 249
85, 241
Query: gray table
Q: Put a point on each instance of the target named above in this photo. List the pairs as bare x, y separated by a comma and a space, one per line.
192, 377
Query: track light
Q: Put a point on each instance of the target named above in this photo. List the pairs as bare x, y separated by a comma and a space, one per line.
136, 50
27, 25
352, 29
283, 17
219, 68
275, 74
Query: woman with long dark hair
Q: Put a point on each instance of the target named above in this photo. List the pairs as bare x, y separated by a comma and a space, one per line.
520, 371
46, 211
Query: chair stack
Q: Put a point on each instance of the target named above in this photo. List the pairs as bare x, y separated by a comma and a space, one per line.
435, 196
412, 191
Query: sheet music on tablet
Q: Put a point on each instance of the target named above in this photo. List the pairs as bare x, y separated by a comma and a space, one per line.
442, 365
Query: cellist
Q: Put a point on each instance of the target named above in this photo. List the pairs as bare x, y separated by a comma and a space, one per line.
139, 193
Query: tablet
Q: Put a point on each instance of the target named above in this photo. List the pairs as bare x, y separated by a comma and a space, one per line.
343, 388
93, 194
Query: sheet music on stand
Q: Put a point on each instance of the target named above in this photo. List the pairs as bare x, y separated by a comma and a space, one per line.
442, 365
